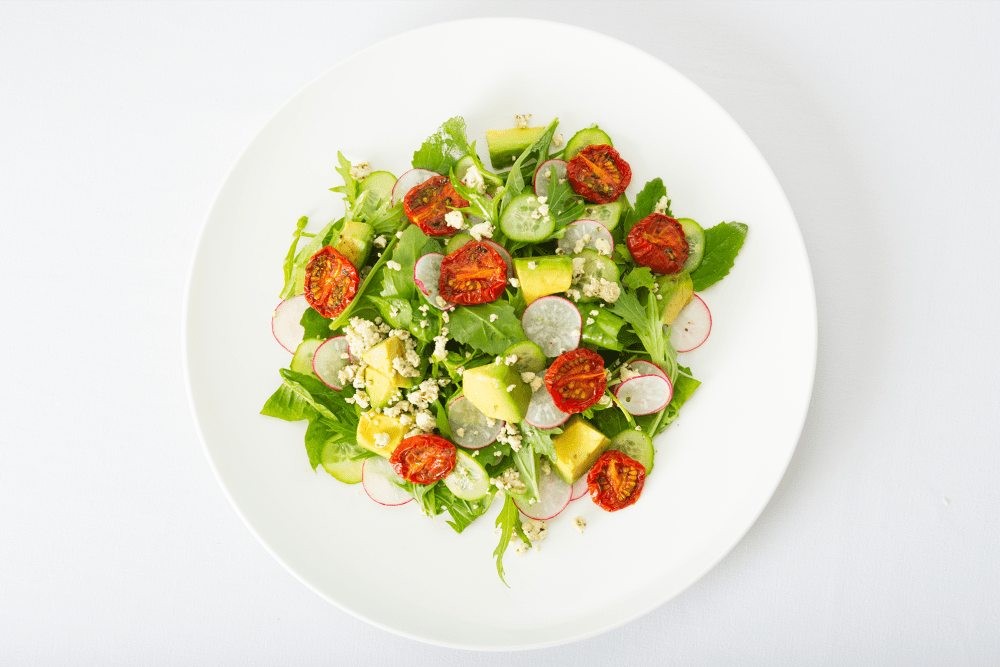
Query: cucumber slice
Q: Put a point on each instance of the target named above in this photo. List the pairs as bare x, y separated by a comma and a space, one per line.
467, 480
696, 243
635, 445
380, 184
507, 145
590, 136
456, 242
606, 214
597, 266
302, 362
518, 224
530, 358
462, 166
347, 471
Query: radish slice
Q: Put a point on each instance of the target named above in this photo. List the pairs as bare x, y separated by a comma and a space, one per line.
553, 497
692, 326
580, 488
554, 324
589, 232
427, 276
408, 181
645, 394
643, 367
329, 359
285, 322
380, 482
504, 254
542, 175
542, 411
470, 428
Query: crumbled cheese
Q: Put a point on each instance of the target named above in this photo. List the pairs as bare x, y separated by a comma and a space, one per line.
424, 308
578, 264
381, 439
425, 394
510, 388
514, 283
595, 312
542, 200
361, 170
424, 324
579, 523
590, 320
442, 304
483, 229
460, 370
627, 373
536, 214
543, 208
380, 241
440, 351
510, 480
536, 384
557, 140
661, 206
527, 376
521, 120
446, 317
474, 179
573, 294
532, 265
399, 235
461, 432
510, 360
602, 247
393, 265
534, 529
426, 421
494, 317
454, 219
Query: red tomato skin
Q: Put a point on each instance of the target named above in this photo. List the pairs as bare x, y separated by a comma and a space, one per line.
658, 241
599, 174
615, 481
427, 204
424, 459
580, 373
330, 276
475, 273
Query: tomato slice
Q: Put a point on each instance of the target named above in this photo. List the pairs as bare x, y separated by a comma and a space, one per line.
615, 481
423, 459
599, 174
331, 282
576, 380
475, 273
658, 241
427, 204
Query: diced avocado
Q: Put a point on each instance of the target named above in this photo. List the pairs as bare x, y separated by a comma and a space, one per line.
550, 275
498, 391
676, 290
506, 145
380, 387
577, 448
355, 242
371, 425
382, 355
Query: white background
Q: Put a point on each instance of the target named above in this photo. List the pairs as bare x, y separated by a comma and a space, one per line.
119, 121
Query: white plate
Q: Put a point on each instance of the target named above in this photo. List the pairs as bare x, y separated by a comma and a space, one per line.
716, 467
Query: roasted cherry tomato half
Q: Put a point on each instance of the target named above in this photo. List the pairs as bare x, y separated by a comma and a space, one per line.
599, 174
658, 241
427, 204
331, 282
475, 273
615, 481
423, 459
576, 380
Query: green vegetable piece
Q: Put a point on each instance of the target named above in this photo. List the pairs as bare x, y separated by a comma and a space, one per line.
443, 149
722, 244
456, 242
498, 391
476, 326
541, 276
355, 242
602, 329
606, 214
506, 145
577, 448
676, 290
591, 136
302, 362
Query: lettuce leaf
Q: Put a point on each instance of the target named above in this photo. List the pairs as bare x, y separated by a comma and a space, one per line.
722, 244
475, 326
443, 149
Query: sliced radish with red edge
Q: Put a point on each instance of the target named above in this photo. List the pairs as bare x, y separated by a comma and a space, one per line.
408, 181
286, 322
588, 231
542, 410
643, 367
553, 497
381, 482
644, 394
329, 359
470, 428
580, 488
427, 276
553, 324
542, 175
692, 326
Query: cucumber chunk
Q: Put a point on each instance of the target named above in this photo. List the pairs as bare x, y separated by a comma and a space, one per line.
519, 221
379, 183
507, 145
590, 136
530, 358
345, 470
696, 243
635, 445
456, 242
302, 362
606, 214
596, 266
467, 480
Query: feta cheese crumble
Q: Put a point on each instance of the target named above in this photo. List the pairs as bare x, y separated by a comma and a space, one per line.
361, 170
393, 265
579, 523
661, 206
521, 120
454, 219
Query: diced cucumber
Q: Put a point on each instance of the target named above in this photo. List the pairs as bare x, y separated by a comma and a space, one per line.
696, 243
635, 445
530, 358
467, 480
521, 220
596, 266
302, 362
456, 242
606, 214
346, 470
506, 145
590, 136
379, 183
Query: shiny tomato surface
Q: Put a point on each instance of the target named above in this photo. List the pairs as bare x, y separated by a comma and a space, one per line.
427, 204
658, 241
576, 380
475, 273
331, 282
599, 174
423, 459
615, 481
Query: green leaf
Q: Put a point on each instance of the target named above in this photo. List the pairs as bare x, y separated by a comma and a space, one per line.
602, 329
473, 326
610, 422
397, 312
539, 150
328, 402
722, 244
350, 188
426, 496
540, 440
463, 512
564, 205
508, 522
288, 405
443, 149
316, 325
441, 420
317, 435
639, 277
525, 462
646, 200
413, 244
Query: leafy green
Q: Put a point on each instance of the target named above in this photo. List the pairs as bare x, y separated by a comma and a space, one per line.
639, 277
288, 405
351, 189
526, 463
509, 522
441, 420
610, 422
477, 326
648, 326
564, 205
328, 402
602, 329
463, 512
443, 149
722, 244
538, 151
316, 325
319, 432
394, 310
412, 245
650, 196
295, 270
540, 440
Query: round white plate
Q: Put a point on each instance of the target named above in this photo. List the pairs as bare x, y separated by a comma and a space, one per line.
716, 467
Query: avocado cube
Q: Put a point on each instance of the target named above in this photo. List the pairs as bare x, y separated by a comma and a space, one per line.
676, 290
355, 242
507, 145
372, 425
550, 275
498, 391
382, 355
577, 448
380, 387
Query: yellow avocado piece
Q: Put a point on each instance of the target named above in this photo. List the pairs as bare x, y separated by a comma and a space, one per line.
498, 391
551, 275
382, 355
677, 291
577, 448
379, 387
371, 425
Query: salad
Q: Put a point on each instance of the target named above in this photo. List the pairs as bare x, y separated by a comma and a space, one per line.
465, 336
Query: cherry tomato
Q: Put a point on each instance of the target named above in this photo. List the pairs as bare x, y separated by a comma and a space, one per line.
427, 204
331, 282
599, 174
475, 273
658, 241
423, 459
615, 481
576, 380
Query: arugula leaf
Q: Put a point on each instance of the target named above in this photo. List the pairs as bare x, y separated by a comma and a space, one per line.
564, 205
296, 270
328, 402
646, 200
463, 512
540, 441
525, 462
412, 245
639, 277
288, 405
476, 326
351, 188
425, 495
441, 420
508, 521
539, 150
647, 323
602, 329
443, 149
387, 218
722, 244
